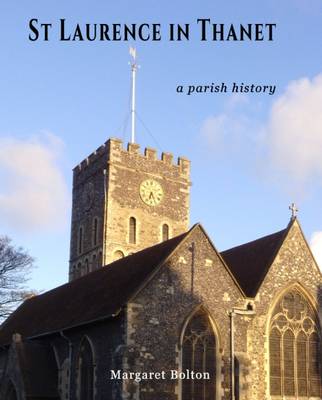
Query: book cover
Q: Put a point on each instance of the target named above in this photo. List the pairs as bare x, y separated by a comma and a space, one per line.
160, 200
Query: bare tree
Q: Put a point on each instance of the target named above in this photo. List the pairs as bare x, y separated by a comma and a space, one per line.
15, 266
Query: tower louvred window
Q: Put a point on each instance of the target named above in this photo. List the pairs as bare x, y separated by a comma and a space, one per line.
165, 232
132, 230
80, 240
294, 349
95, 231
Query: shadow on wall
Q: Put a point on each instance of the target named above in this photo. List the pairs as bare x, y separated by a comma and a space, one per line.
172, 332
179, 320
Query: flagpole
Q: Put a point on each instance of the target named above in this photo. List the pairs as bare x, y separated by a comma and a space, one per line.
134, 69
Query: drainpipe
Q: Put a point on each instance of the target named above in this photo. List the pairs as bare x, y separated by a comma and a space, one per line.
70, 363
232, 314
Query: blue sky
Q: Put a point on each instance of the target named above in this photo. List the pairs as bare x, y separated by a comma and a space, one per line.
252, 155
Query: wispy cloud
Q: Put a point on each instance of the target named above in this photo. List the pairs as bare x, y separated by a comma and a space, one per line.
227, 132
286, 146
33, 192
294, 131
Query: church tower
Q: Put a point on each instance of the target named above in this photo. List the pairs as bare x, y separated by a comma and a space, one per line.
124, 201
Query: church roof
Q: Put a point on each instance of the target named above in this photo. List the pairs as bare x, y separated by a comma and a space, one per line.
250, 262
102, 293
95, 296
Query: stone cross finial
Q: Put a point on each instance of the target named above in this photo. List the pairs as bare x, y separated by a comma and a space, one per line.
294, 210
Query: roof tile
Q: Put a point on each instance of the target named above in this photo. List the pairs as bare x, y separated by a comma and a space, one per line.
97, 295
250, 262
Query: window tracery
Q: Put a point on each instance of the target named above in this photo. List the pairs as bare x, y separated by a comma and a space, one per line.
199, 355
86, 371
295, 361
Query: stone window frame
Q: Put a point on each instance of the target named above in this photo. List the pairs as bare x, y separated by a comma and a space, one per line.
163, 223
78, 378
118, 250
93, 261
311, 301
79, 269
74, 270
80, 240
64, 372
218, 356
95, 231
128, 229
86, 266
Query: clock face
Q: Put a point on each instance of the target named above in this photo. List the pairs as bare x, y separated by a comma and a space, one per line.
151, 192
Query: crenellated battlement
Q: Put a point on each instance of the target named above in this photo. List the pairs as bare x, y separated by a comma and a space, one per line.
91, 158
133, 149
113, 149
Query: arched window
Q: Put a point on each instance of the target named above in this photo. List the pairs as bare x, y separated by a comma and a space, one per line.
95, 231
79, 270
294, 349
86, 371
199, 355
165, 232
80, 240
132, 230
117, 255
94, 262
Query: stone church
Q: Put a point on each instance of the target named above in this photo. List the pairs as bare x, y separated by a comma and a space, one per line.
152, 310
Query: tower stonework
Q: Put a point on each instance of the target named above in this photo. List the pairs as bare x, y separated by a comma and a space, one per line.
124, 201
